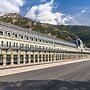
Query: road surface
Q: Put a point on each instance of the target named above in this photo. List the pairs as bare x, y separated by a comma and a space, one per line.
70, 72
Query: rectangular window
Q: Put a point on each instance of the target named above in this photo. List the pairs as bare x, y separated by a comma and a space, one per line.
31, 46
21, 45
8, 59
16, 44
15, 59
1, 59
49, 57
2, 43
39, 58
10, 44
46, 57
56, 57
7, 43
27, 58
27, 45
43, 58
36, 58
21, 59
32, 58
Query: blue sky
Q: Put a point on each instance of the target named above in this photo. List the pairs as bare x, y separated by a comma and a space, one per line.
50, 11
64, 6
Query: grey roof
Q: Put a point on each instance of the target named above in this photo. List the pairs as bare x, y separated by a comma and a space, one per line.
24, 31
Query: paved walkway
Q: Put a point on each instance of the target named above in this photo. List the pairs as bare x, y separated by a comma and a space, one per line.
20, 69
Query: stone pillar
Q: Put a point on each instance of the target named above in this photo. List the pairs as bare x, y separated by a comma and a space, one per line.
48, 57
38, 57
60, 56
65, 56
69, 55
34, 57
18, 56
12, 57
42, 56
51, 56
87, 56
4, 57
24, 57
76, 55
45, 57
73, 56
54, 57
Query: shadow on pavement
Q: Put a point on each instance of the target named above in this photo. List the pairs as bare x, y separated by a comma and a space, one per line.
45, 85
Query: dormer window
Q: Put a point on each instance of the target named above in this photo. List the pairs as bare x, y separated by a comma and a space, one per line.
40, 40
31, 38
21, 37
8, 34
1, 33
27, 38
15, 35
46, 41
36, 39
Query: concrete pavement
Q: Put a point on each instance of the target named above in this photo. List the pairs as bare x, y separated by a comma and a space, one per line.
79, 71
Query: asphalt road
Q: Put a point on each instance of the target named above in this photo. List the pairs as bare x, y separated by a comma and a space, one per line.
70, 72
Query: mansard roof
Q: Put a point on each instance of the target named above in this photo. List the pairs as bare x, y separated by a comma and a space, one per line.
23, 31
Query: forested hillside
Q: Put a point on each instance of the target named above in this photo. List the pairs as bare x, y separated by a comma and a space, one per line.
70, 32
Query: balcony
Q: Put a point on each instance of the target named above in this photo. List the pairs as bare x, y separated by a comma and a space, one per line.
24, 48
4, 47
14, 48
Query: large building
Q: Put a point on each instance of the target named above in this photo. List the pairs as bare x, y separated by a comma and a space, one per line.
19, 46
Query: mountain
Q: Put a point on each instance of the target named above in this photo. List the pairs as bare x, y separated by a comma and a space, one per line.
66, 32
83, 32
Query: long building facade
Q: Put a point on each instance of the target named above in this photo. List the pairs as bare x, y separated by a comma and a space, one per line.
19, 46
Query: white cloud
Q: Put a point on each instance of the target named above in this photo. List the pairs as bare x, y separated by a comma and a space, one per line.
83, 11
44, 14
10, 6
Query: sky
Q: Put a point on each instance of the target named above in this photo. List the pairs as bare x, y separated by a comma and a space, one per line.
56, 12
